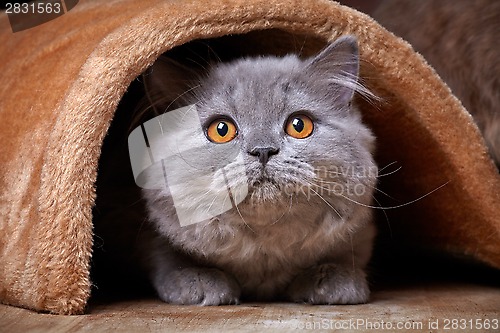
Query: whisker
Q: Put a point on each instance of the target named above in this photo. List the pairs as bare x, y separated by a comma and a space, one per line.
388, 165
175, 100
322, 181
389, 173
301, 50
385, 214
398, 206
196, 62
352, 253
327, 181
236, 204
207, 210
241, 216
329, 205
284, 212
380, 191
228, 196
218, 191
321, 186
197, 58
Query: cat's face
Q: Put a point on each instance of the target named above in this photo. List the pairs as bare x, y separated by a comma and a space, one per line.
289, 124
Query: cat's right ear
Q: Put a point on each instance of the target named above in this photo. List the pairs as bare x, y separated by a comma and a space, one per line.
337, 68
167, 84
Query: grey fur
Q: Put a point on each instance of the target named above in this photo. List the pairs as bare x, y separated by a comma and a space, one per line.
294, 236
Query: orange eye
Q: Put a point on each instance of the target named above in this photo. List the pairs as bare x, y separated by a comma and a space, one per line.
221, 131
299, 126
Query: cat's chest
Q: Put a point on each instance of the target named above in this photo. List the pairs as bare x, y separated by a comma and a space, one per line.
291, 243
265, 259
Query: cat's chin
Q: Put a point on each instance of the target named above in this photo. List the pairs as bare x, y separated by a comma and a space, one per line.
265, 202
265, 192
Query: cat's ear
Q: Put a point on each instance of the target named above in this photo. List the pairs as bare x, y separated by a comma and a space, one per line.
167, 83
338, 67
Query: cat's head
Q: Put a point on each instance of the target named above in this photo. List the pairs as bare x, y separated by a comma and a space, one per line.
273, 131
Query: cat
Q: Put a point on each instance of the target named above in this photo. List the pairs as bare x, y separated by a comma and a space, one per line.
285, 137
458, 38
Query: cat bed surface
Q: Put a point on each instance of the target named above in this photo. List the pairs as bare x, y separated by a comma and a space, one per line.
63, 80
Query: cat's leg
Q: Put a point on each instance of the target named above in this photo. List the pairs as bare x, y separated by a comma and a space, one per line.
178, 280
330, 284
340, 279
197, 285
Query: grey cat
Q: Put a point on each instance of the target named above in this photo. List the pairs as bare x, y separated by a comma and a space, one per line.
285, 154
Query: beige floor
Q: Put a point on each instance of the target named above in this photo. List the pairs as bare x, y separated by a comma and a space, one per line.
426, 307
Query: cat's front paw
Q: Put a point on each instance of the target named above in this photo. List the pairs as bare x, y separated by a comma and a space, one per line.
201, 286
330, 284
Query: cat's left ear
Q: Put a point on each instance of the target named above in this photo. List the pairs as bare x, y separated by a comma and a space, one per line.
337, 66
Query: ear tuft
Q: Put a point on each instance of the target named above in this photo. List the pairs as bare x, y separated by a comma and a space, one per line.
338, 66
167, 83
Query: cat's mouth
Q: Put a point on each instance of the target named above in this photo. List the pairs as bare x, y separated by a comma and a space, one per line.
264, 183
271, 184
265, 189
263, 178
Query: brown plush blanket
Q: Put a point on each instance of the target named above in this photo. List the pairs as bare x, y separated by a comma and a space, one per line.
62, 81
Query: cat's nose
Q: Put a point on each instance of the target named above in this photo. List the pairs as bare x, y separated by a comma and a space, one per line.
263, 153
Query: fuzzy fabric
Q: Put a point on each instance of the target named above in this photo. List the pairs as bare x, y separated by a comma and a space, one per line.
62, 81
